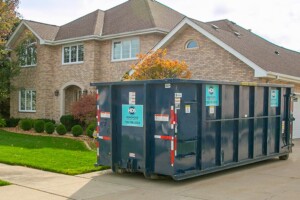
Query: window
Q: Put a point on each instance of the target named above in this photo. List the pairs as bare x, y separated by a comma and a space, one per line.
73, 54
27, 101
27, 54
192, 44
125, 49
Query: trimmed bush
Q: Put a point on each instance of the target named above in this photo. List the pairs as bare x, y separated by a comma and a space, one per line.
90, 129
2, 122
39, 126
49, 127
25, 124
77, 130
61, 129
48, 120
68, 121
12, 122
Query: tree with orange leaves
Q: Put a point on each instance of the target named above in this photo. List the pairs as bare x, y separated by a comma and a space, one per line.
155, 66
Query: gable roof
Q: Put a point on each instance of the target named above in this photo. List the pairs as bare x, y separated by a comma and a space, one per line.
130, 17
45, 31
90, 24
263, 53
135, 15
147, 16
259, 54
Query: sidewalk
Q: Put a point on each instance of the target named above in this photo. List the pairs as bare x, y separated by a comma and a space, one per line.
265, 180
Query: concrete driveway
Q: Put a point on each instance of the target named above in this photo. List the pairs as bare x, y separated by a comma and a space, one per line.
272, 179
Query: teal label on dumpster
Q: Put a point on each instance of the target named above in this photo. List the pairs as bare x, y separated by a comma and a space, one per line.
212, 95
274, 98
132, 115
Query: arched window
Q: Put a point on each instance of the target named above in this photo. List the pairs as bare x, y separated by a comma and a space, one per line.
191, 44
27, 53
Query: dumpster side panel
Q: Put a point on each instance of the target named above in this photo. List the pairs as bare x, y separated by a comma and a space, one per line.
163, 99
129, 105
187, 128
104, 125
259, 122
228, 127
244, 123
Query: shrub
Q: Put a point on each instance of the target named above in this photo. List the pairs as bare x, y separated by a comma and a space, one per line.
49, 127
39, 126
61, 129
2, 122
90, 129
25, 124
85, 109
12, 122
77, 130
68, 121
48, 120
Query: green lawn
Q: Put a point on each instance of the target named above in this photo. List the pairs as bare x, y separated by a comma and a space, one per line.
3, 183
55, 154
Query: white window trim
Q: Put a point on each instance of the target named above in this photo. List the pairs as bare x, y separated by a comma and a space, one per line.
32, 65
63, 54
26, 111
187, 43
122, 40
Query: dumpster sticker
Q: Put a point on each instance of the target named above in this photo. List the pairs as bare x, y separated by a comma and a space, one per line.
274, 98
177, 103
105, 114
212, 95
178, 95
161, 117
132, 98
187, 108
211, 110
132, 115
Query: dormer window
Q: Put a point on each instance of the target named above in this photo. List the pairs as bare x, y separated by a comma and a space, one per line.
73, 54
191, 44
27, 53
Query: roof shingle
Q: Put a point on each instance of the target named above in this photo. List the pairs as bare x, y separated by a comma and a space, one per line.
255, 48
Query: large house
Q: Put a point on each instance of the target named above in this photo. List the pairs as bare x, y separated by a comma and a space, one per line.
59, 62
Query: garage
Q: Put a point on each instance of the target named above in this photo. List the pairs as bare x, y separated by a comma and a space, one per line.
296, 124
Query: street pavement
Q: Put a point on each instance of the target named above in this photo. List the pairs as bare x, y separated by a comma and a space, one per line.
273, 179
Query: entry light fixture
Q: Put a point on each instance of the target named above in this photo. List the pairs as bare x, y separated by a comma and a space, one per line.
56, 93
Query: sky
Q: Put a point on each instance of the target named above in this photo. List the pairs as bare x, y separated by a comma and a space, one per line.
278, 21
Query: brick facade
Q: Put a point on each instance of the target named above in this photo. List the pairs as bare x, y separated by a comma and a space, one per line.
50, 75
209, 61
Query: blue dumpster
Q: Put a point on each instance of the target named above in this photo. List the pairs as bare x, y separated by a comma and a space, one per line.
187, 128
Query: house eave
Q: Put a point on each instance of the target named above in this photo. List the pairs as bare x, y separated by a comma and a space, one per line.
18, 31
283, 77
107, 37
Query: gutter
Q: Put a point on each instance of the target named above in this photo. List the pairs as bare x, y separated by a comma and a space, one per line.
283, 77
107, 37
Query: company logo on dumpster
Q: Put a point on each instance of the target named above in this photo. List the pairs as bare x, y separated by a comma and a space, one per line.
131, 110
132, 115
274, 98
212, 95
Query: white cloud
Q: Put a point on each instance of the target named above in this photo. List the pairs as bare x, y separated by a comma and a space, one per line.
276, 20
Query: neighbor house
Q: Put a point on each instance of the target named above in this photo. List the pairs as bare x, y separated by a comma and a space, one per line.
59, 62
